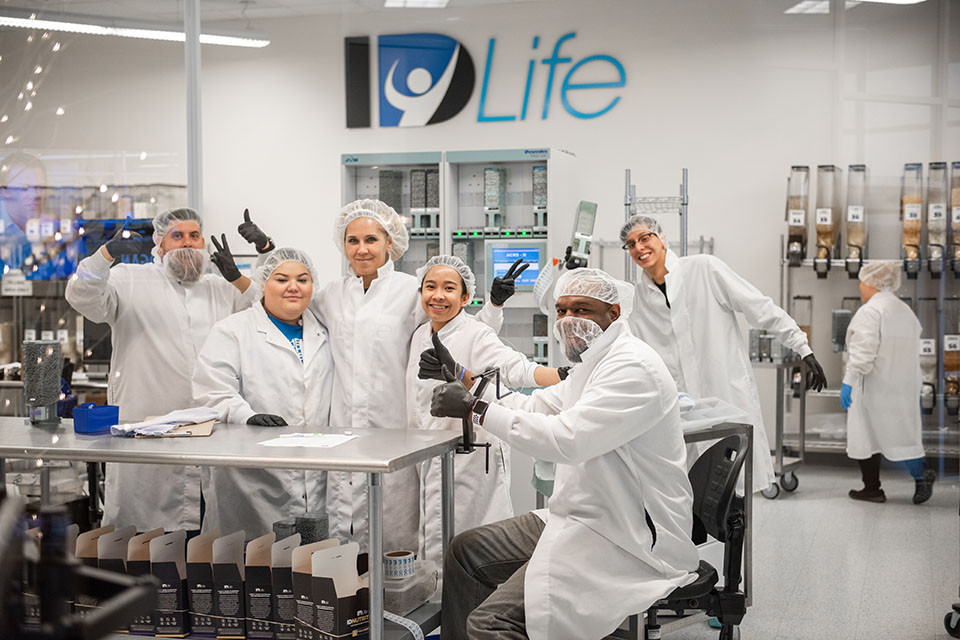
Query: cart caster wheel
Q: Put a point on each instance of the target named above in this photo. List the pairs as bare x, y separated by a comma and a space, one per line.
951, 623
789, 481
771, 492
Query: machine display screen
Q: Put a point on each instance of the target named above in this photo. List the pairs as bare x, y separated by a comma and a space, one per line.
503, 257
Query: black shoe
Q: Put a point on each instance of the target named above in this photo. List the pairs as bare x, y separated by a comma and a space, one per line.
924, 487
877, 495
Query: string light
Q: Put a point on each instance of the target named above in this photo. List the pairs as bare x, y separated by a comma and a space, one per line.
10, 139
30, 85
79, 209
20, 96
28, 106
114, 197
143, 155
38, 70
4, 118
60, 111
103, 188
56, 47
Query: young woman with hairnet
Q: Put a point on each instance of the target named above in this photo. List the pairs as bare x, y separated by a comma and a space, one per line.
686, 309
269, 365
881, 385
371, 314
456, 339
160, 315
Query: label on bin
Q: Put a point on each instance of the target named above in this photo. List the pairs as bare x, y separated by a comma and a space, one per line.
928, 347
912, 211
854, 213
956, 214
824, 216
951, 343
63, 336
33, 230
47, 229
936, 212
46, 335
30, 334
797, 217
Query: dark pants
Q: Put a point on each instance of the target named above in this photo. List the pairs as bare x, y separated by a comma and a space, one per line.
483, 575
870, 470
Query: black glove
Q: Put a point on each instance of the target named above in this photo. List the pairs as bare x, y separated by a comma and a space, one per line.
250, 232
503, 288
123, 241
816, 379
223, 259
451, 400
563, 372
266, 420
434, 358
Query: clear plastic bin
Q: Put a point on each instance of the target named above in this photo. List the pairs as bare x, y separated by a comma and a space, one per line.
856, 221
829, 180
798, 188
911, 209
403, 596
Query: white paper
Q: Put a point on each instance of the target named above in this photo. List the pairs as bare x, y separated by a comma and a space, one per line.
324, 440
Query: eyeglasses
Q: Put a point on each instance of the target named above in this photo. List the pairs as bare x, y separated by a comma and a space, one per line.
645, 239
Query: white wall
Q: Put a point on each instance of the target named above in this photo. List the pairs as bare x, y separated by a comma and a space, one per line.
736, 91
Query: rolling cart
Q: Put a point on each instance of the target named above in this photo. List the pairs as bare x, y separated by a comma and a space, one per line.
784, 463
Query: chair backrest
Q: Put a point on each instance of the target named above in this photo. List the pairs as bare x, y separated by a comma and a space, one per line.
714, 480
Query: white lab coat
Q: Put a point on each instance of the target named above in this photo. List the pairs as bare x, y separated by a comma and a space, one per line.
613, 428
247, 367
370, 339
480, 497
158, 327
883, 367
700, 341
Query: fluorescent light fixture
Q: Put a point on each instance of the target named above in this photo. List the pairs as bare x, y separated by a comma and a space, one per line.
809, 7
90, 25
415, 4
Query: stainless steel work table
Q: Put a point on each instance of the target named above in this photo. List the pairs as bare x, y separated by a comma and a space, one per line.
373, 452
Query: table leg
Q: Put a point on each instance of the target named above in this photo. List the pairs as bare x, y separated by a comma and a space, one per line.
748, 516
446, 496
93, 489
44, 485
375, 520
3, 478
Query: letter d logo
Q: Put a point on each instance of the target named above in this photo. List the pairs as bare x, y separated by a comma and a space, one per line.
423, 78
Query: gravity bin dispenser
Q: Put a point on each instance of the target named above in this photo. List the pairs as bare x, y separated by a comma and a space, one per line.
929, 353
798, 189
911, 217
829, 190
955, 219
856, 221
951, 356
936, 217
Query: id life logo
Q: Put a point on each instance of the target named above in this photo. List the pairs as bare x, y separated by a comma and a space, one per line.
426, 78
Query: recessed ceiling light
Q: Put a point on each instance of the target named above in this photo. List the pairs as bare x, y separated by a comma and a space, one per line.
415, 4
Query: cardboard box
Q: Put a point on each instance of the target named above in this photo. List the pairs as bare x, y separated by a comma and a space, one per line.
228, 586
138, 564
284, 602
341, 598
168, 564
200, 585
258, 588
87, 553
302, 578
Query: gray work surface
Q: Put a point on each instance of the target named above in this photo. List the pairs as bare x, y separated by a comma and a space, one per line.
230, 445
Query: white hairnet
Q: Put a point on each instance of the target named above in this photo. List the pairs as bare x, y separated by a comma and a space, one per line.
883, 276
383, 213
164, 222
598, 284
469, 280
640, 222
277, 258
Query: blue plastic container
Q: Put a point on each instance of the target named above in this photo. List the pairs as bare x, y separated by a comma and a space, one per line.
92, 420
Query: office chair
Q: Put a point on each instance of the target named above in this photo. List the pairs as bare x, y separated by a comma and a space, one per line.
719, 512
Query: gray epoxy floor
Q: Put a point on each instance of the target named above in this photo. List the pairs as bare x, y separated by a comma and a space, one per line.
826, 566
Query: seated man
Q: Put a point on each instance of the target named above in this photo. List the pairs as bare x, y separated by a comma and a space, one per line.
616, 536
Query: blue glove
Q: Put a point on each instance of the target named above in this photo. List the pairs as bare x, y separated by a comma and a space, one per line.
846, 396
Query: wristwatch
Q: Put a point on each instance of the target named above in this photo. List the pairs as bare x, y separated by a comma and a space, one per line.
478, 411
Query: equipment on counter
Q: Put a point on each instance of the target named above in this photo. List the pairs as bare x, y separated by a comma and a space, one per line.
42, 368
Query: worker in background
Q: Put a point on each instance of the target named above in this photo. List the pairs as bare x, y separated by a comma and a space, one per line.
160, 315
466, 346
371, 314
617, 533
686, 309
881, 385
269, 365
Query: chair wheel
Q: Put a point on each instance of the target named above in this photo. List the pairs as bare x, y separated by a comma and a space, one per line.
951, 623
730, 633
789, 481
771, 492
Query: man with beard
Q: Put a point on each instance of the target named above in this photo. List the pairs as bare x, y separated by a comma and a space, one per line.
616, 535
160, 315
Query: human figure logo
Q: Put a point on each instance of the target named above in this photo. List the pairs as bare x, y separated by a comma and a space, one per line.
424, 78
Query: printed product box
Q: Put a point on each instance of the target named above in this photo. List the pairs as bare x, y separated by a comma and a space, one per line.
228, 586
200, 585
168, 564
